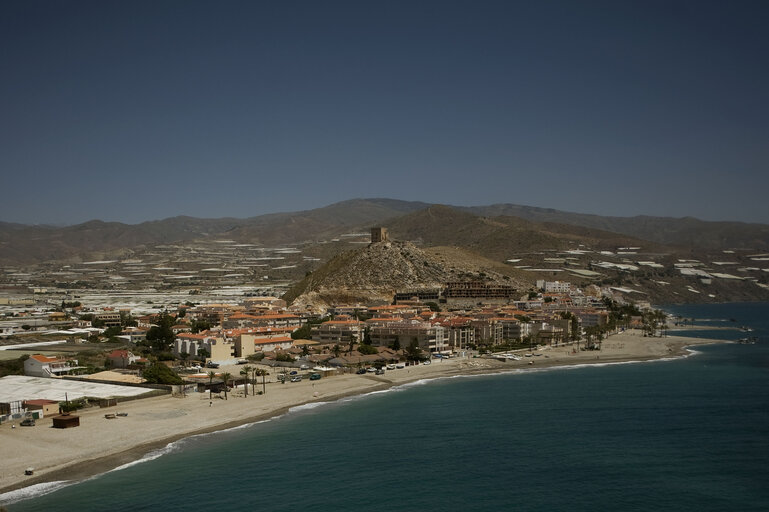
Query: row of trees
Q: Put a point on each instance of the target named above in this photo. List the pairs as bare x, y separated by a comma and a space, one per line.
249, 374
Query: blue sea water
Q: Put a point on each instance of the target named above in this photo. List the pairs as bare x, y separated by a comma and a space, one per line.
683, 434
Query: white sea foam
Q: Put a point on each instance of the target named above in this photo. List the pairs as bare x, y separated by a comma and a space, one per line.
306, 407
154, 454
33, 491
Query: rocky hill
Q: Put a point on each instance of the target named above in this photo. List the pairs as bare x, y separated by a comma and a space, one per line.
375, 272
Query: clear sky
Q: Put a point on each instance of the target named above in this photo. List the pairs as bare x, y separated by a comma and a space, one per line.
140, 110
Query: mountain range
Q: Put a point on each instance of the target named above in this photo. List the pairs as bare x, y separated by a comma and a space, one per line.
493, 229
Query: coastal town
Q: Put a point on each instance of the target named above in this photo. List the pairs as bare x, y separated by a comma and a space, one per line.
413, 256
74, 362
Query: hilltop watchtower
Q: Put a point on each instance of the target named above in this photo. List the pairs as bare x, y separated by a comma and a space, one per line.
379, 234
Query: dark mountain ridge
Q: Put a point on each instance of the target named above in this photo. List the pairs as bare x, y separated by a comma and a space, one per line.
497, 228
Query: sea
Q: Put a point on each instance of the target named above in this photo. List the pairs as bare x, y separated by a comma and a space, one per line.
688, 433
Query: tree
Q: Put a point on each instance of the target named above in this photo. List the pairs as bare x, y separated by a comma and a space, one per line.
262, 372
396, 344
413, 352
203, 353
160, 336
199, 325
211, 376
366, 349
433, 306
226, 378
246, 371
336, 350
111, 332
184, 356
302, 333
126, 320
284, 357
158, 373
589, 333
305, 331
254, 373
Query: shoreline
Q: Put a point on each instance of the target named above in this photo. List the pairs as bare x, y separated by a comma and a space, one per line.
100, 445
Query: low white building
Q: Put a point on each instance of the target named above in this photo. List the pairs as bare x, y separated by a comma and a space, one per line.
38, 365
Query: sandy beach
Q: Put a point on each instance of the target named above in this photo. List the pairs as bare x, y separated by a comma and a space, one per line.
101, 444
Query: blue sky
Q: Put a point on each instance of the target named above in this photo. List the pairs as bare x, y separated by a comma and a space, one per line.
142, 110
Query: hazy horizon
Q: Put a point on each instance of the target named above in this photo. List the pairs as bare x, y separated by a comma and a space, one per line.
61, 225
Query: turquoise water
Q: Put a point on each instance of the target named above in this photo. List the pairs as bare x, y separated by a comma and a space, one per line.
684, 434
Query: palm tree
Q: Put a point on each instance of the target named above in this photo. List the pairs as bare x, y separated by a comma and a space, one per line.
211, 376
246, 371
226, 378
262, 372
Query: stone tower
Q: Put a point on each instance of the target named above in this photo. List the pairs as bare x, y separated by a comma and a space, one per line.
379, 234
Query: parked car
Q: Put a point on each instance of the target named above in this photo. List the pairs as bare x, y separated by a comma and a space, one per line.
390, 366
293, 372
296, 378
212, 364
28, 422
315, 376
361, 371
380, 372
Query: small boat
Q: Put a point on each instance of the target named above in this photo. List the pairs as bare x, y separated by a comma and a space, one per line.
109, 416
29, 471
122, 414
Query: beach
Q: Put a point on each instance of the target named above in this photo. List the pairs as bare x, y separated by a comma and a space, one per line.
100, 444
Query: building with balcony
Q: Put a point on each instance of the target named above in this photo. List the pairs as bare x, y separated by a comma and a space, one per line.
38, 365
